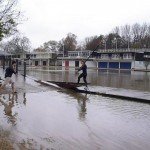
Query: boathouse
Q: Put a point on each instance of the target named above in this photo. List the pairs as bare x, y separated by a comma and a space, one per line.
125, 59
74, 58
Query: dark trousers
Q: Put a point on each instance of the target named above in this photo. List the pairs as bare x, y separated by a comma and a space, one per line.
82, 76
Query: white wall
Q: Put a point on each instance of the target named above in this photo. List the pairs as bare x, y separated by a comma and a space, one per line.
139, 65
63, 63
72, 63
91, 64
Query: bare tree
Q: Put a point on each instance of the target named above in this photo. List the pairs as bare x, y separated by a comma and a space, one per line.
17, 45
9, 17
92, 42
148, 37
136, 29
146, 64
126, 35
116, 30
143, 33
136, 32
70, 42
126, 31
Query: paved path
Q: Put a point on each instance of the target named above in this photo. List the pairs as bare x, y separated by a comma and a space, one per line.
23, 85
127, 94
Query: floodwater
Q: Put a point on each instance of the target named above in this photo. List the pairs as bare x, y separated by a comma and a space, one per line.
109, 78
64, 120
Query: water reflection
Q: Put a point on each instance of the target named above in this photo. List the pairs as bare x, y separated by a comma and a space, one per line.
65, 75
8, 106
9, 102
24, 99
81, 100
82, 106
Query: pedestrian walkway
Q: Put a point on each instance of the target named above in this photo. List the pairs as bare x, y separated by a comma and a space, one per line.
126, 94
23, 85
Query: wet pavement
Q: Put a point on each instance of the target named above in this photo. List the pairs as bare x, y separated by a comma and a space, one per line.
23, 85
8, 101
134, 95
43, 117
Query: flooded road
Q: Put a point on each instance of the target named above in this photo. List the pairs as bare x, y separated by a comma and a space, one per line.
64, 120
109, 78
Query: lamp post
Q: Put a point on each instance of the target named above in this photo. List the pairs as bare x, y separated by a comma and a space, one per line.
63, 50
40, 58
29, 59
48, 59
128, 42
115, 39
105, 40
105, 45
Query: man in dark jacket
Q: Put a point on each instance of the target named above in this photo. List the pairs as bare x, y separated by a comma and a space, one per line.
84, 72
8, 74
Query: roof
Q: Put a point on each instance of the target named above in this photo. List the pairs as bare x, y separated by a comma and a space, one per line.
87, 51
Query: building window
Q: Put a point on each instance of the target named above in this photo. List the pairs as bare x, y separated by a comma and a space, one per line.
104, 56
36, 63
127, 56
115, 56
44, 63
76, 63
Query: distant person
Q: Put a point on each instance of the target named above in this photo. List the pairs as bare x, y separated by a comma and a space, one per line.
84, 72
8, 74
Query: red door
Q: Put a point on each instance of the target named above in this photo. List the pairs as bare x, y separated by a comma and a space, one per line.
67, 63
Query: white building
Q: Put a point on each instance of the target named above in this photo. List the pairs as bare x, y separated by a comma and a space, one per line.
42, 58
74, 58
46, 58
109, 59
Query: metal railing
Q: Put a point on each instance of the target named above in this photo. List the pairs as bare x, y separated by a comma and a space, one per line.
123, 50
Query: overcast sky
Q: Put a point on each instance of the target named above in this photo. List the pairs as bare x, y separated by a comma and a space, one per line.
53, 19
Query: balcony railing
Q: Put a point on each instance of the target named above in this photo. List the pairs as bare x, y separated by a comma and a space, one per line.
123, 50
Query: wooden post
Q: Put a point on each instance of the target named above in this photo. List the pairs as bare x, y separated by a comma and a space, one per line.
24, 69
16, 65
4, 62
9, 61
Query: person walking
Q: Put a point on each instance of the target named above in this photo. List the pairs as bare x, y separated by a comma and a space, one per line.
8, 77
